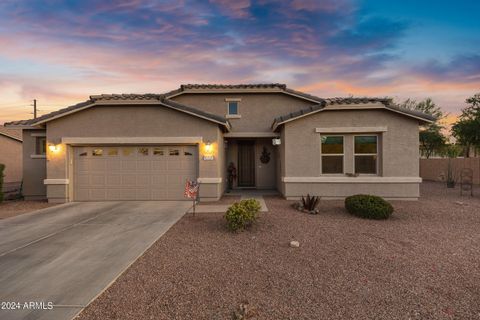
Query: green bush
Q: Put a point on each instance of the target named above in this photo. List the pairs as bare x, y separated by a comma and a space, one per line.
242, 214
368, 206
2, 168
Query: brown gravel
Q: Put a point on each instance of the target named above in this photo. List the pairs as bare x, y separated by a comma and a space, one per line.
423, 263
13, 208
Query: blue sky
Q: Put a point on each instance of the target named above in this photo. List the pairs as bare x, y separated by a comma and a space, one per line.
60, 52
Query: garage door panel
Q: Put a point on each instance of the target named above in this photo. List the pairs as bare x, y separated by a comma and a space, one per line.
83, 180
159, 165
159, 194
97, 165
129, 194
97, 194
159, 180
129, 180
129, 165
82, 165
114, 194
114, 165
143, 180
114, 180
97, 180
145, 165
82, 194
174, 164
133, 173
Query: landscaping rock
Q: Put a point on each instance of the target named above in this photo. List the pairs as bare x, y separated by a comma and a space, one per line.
294, 244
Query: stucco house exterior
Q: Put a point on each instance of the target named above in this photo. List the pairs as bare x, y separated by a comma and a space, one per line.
145, 146
11, 154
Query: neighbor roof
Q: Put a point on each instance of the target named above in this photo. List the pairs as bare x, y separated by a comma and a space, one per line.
105, 99
15, 134
386, 102
251, 87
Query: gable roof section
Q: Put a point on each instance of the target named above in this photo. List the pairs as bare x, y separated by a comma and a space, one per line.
240, 88
116, 99
14, 134
386, 102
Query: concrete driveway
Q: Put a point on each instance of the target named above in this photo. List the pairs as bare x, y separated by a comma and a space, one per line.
69, 254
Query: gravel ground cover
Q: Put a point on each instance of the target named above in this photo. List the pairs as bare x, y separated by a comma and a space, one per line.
423, 263
13, 208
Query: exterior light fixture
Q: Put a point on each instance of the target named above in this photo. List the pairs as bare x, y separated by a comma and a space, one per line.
53, 148
208, 151
208, 148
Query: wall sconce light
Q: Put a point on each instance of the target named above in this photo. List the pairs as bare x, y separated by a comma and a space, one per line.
208, 148
208, 151
53, 148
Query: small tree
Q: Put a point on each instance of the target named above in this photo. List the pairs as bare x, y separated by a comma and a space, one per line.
467, 129
431, 136
2, 168
432, 140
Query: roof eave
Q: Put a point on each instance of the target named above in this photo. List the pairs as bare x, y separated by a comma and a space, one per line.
11, 137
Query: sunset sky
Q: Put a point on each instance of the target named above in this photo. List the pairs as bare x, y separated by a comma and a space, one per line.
60, 52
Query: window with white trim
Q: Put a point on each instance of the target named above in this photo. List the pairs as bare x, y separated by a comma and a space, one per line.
332, 154
232, 108
366, 154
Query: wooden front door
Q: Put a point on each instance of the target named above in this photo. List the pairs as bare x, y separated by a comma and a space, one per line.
246, 163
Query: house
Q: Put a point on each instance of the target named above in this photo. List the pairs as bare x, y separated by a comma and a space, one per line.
11, 154
145, 146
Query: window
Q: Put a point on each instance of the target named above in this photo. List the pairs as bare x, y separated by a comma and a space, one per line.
233, 107
41, 146
332, 154
158, 152
97, 152
174, 152
366, 152
143, 151
127, 151
113, 152
187, 153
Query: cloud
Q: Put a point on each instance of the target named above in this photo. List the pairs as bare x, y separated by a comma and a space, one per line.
63, 50
461, 68
238, 9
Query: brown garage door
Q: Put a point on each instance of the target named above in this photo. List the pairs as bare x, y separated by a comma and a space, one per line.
133, 172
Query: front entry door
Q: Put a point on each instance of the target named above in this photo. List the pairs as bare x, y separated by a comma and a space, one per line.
246, 164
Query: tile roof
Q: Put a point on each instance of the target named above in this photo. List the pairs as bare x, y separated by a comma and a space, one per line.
235, 86
15, 134
357, 100
387, 102
299, 113
124, 97
259, 86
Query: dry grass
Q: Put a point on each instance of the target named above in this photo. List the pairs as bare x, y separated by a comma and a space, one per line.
423, 263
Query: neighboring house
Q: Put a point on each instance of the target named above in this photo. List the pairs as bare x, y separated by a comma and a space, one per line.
11, 154
144, 146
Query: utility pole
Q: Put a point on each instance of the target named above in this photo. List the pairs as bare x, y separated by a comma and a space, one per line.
34, 108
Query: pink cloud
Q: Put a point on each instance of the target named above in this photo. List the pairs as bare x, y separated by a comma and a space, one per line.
234, 8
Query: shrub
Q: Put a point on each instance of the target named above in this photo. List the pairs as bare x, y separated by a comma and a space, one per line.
242, 214
368, 206
2, 168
